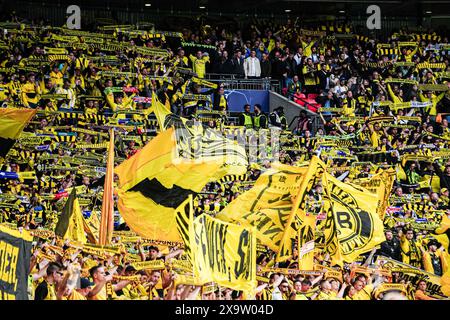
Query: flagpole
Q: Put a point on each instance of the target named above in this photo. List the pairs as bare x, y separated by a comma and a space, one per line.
107, 219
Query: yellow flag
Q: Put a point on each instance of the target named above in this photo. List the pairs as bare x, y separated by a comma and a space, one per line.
225, 253
352, 219
76, 231
161, 111
330, 240
13, 120
267, 205
380, 184
70, 223
441, 234
107, 217
152, 186
12, 123
91, 227
185, 225
306, 238
194, 141
312, 177
148, 161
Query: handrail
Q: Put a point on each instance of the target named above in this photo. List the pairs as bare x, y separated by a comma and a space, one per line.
238, 82
295, 118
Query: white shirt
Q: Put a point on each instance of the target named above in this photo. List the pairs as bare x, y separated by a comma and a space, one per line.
276, 294
298, 58
314, 57
252, 67
70, 95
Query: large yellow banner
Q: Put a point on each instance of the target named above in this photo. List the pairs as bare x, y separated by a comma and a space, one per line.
225, 253
311, 178
352, 220
268, 204
381, 185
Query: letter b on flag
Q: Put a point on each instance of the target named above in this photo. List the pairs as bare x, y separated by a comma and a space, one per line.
374, 20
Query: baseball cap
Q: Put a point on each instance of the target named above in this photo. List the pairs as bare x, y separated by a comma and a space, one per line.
153, 248
85, 282
433, 242
444, 190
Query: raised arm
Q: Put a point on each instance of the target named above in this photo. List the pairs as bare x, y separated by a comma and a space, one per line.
42, 270
193, 294
261, 288
122, 284
316, 280
173, 254
439, 97
277, 282
369, 258
341, 291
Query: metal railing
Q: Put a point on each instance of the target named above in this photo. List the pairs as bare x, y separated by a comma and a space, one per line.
233, 82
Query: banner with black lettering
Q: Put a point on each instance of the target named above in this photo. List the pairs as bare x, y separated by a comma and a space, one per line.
225, 253
413, 275
380, 184
15, 252
267, 205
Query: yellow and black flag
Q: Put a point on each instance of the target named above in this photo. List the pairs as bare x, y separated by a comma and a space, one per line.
70, 223
306, 242
91, 226
225, 253
380, 184
12, 122
442, 234
185, 225
161, 112
195, 141
268, 204
15, 252
154, 182
299, 210
353, 225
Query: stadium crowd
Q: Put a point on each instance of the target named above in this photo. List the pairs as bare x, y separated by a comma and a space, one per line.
382, 105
